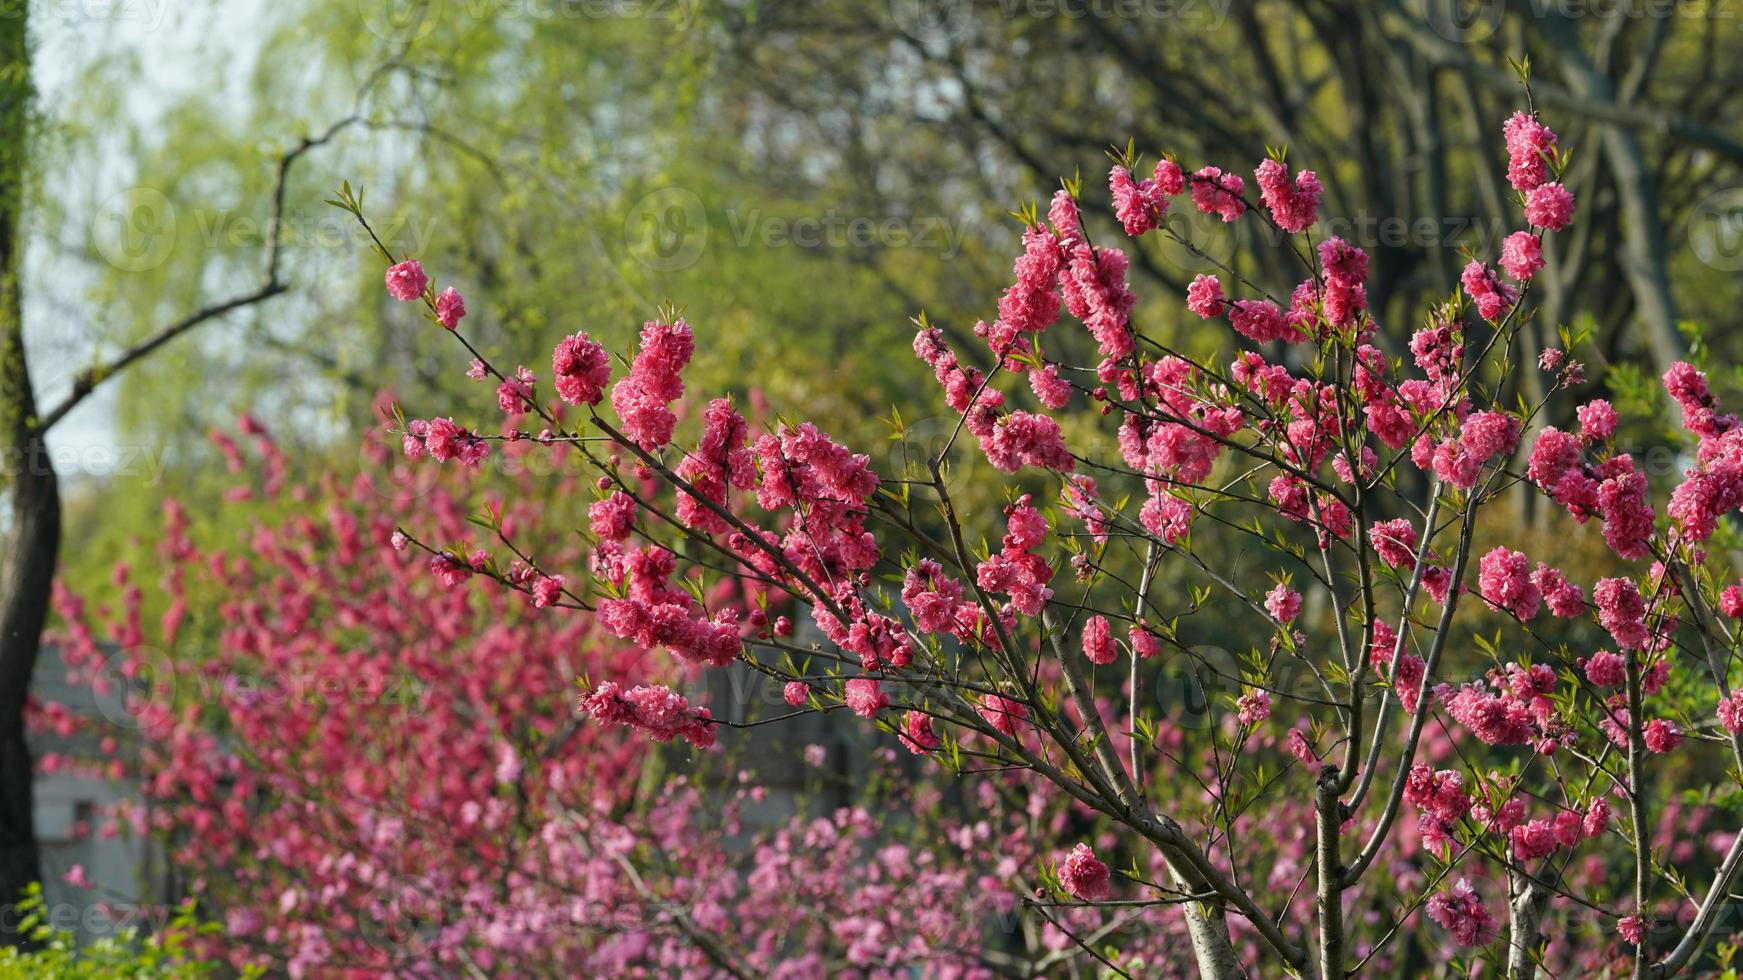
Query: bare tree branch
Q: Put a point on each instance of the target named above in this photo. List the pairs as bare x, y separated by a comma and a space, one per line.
87, 381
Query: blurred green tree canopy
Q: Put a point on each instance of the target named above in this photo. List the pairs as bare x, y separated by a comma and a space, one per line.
803, 178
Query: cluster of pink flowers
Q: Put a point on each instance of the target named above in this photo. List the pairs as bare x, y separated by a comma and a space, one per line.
1564, 598
1395, 542
1078, 495
1532, 161
1461, 913
1140, 204
1442, 800
1713, 487
1205, 297
1015, 569
1009, 440
1093, 286
1549, 206
1622, 611
1522, 255
1493, 297
341, 700
1253, 707
581, 368
1411, 669
1699, 407
1483, 436
643, 398
654, 614
613, 517
1050, 389
1260, 321
443, 440
1730, 712
1302, 749
1534, 840
1532, 153
936, 602
1026, 439
1345, 292
1537, 838
720, 461
1518, 710
515, 394
1218, 193
1606, 669
917, 733
1295, 207
826, 487
660, 712
1661, 735
1182, 444
879, 641
1613, 488
1003, 713
1506, 582
1031, 303
865, 696
965, 389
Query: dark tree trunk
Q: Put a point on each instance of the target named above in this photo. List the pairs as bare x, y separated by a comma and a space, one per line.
30, 527
27, 562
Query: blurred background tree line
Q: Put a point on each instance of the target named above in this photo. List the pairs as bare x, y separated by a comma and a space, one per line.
803, 178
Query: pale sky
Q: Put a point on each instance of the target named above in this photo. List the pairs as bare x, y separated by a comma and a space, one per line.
177, 45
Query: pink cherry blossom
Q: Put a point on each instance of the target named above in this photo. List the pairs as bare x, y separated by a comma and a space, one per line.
1283, 603
1463, 916
1083, 876
450, 307
1098, 644
406, 280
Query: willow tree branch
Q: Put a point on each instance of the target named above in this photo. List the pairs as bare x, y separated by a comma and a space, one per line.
88, 380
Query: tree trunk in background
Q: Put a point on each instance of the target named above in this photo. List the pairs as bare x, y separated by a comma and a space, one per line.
1527, 902
1637, 191
30, 534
